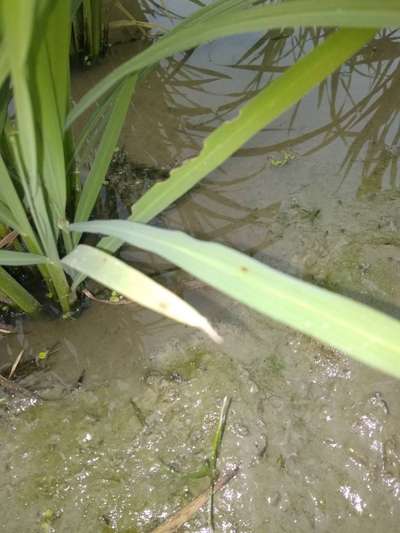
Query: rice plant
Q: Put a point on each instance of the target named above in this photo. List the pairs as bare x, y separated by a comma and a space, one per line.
46, 201
88, 30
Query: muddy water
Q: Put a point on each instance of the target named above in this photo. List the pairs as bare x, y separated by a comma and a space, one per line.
315, 435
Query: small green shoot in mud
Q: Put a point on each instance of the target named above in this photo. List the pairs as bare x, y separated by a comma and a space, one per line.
276, 365
281, 462
215, 450
48, 518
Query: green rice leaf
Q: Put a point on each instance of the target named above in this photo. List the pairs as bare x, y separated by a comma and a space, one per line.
10, 258
15, 216
4, 66
360, 331
5, 97
89, 133
34, 198
6, 216
13, 212
21, 25
18, 18
269, 103
273, 100
134, 285
105, 150
75, 5
51, 94
347, 13
16, 293
93, 21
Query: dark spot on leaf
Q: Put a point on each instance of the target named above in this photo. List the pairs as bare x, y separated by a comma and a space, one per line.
163, 306
244, 269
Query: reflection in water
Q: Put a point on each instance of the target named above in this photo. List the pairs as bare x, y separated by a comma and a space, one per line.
357, 106
340, 142
344, 135
205, 86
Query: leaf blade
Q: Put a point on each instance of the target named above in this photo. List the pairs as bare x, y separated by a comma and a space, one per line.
347, 13
256, 114
360, 331
11, 258
105, 150
262, 109
50, 93
17, 293
131, 283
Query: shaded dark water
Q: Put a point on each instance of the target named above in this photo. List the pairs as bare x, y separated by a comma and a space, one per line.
315, 435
